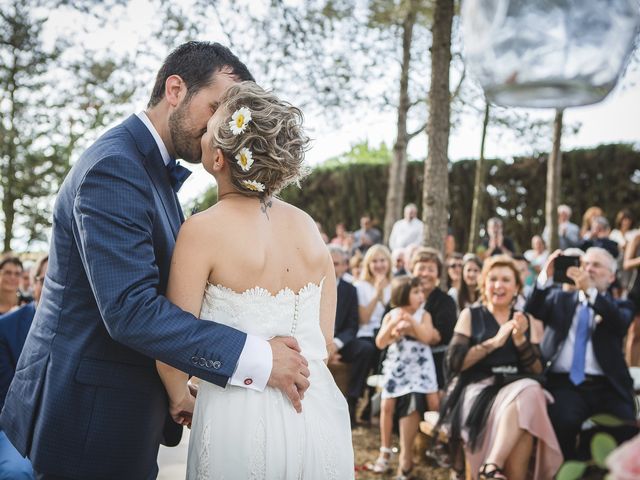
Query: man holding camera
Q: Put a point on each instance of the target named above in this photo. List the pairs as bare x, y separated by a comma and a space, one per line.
582, 344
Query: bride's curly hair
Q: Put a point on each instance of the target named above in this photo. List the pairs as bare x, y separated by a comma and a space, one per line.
274, 135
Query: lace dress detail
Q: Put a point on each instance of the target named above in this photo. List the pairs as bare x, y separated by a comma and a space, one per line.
242, 433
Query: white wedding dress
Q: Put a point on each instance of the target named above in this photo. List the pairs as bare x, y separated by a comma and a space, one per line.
239, 433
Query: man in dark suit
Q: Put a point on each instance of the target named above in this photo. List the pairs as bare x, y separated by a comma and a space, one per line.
346, 347
86, 400
582, 346
14, 327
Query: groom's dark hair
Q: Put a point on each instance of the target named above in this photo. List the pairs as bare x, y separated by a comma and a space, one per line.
195, 63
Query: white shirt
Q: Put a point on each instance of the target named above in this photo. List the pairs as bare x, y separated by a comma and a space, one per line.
405, 233
562, 363
255, 360
366, 293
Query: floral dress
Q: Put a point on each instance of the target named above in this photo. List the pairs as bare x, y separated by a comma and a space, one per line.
408, 367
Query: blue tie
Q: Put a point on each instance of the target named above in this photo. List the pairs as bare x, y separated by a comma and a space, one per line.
177, 174
576, 374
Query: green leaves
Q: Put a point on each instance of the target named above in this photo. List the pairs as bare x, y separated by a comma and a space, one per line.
571, 470
602, 444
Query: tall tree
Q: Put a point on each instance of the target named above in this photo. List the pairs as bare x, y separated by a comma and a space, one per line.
554, 178
478, 185
52, 100
436, 176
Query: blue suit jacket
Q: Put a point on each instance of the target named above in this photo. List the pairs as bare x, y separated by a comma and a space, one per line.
14, 327
556, 309
86, 400
346, 326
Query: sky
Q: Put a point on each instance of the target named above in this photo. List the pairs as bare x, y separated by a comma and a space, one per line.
615, 119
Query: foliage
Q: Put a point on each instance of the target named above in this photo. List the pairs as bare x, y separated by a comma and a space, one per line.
53, 99
515, 190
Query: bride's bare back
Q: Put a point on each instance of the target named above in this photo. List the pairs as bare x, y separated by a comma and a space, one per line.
272, 245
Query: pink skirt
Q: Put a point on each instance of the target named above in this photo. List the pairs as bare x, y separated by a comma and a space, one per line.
531, 401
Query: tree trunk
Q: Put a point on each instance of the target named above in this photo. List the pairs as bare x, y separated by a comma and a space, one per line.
478, 186
436, 175
398, 167
554, 178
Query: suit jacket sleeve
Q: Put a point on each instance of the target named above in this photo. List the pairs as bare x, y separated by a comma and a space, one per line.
444, 318
616, 316
350, 326
114, 216
537, 304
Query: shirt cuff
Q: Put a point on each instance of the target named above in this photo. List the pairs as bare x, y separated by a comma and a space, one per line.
592, 293
339, 343
254, 365
543, 280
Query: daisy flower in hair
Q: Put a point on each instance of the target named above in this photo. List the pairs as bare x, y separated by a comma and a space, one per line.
253, 185
245, 159
239, 120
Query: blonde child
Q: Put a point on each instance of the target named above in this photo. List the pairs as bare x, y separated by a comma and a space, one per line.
410, 383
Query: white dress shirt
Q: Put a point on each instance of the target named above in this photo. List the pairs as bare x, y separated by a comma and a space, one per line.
405, 233
255, 362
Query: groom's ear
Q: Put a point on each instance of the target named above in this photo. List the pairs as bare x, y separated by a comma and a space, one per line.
174, 90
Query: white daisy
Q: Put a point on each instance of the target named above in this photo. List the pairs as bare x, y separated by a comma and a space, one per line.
253, 185
239, 120
244, 159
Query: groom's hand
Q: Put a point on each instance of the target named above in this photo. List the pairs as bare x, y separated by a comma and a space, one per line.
290, 370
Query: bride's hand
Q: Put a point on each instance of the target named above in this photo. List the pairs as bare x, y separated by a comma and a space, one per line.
182, 410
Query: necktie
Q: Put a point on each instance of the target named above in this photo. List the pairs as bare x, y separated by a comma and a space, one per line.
576, 374
177, 174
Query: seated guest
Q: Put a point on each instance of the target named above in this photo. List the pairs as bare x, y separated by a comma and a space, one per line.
538, 253
14, 327
454, 274
427, 266
346, 347
398, 262
496, 243
524, 272
468, 293
589, 214
568, 233
494, 403
582, 346
600, 237
367, 236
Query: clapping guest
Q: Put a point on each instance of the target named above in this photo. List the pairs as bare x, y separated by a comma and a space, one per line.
374, 290
426, 264
10, 273
589, 214
494, 404
568, 232
408, 230
367, 236
410, 383
496, 243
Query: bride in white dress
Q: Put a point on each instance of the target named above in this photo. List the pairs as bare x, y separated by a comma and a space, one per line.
259, 264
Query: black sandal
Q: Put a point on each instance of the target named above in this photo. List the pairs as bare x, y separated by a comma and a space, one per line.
496, 473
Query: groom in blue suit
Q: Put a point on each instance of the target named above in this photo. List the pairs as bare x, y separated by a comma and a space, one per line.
86, 401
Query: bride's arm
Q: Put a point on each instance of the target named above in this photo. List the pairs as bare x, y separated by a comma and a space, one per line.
328, 302
187, 282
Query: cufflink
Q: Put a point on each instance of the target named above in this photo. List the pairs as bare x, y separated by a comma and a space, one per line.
248, 381
217, 364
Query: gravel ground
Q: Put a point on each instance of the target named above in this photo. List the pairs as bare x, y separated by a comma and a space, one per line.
366, 442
